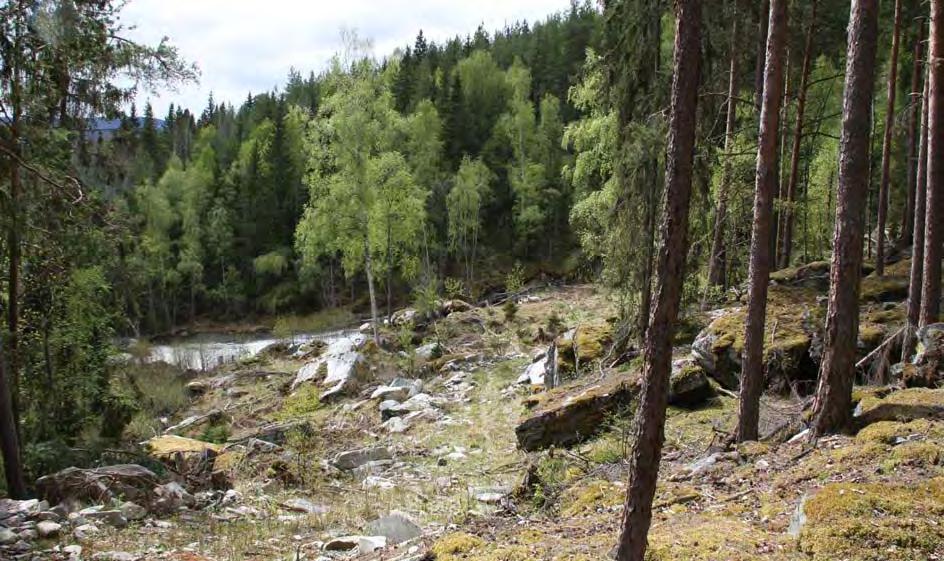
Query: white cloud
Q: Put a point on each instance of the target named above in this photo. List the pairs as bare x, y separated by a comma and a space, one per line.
248, 45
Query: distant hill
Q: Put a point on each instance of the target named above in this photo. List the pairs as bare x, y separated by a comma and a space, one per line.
105, 128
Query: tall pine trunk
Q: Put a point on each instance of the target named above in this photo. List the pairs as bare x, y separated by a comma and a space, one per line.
788, 214
763, 19
934, 225
887, 144
908, 216
752, 372
832, 407
917, 255
650, 416
716, 261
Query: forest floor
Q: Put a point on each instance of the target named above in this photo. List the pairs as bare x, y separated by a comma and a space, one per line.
457, 472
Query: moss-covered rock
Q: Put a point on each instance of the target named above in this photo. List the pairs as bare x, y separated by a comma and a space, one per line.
794, 318
582, 345
576, 412
902, 405
813, 275
874, 522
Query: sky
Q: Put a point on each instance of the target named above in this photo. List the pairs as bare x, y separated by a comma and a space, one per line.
243, 46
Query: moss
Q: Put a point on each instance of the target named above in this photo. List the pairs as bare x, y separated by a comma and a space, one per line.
921, 402
590, 497
887, 288
303, 403
920, 453
712, 537
696, 429
889, 432
792, 312
874, 522
450, 545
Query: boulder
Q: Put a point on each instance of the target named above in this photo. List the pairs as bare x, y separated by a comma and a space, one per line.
583, 344
8, 536
572, 414
534, 374
453, 306
813, 275
354, 459
419, 402
99, 485
133, 511
429, 351
191, 459
339, 365
172, 497
794, 318
112, 518
902, 406
397, 527
198, 388
689, 384
407, 316
576, 412
85, 531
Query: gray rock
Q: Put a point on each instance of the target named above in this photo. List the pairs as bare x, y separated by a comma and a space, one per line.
353, 459
99, 485
172, 497
111, 517
397, 527
133, 511
304, 505
396, 425
48, 528
47, 515
428, 351
85, 531
8, 536
391, 393
339, 363
490, 495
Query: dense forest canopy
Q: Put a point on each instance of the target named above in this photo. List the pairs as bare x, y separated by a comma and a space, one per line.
677, 153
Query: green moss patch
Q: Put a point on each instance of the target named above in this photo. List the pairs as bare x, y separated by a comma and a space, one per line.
874, 522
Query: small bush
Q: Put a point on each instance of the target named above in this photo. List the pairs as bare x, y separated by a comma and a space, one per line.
303, 403
510, 309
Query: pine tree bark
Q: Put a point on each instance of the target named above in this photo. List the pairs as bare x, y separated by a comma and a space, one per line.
917, 255
763, 20
832, 407
752, 371
650, 416
887, 144
933, 224
716, 262
908, 216
787, 215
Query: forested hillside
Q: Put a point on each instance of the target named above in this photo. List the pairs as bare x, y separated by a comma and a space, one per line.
701, 235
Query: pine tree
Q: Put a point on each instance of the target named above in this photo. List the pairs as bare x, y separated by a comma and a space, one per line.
650, 417
752, 370
832, 408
